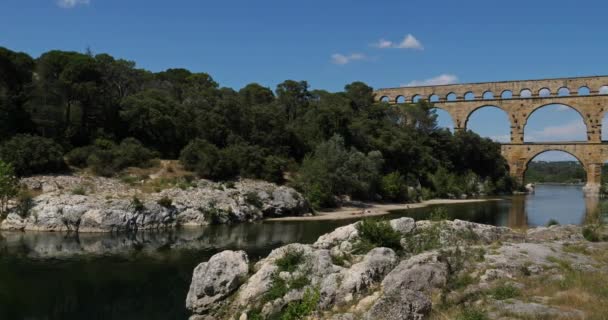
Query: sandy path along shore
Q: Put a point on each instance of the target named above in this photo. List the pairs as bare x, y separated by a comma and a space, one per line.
372, 210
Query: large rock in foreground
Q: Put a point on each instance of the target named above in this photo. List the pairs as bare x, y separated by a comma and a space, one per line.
74, 204
214, 280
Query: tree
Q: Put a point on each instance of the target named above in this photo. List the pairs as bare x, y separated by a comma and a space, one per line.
333, 170
29, 154
293, 96
8, 186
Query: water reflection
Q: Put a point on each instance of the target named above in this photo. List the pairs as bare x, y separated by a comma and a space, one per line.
562, 203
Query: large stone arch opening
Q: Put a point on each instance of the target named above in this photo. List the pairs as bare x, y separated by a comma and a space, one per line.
562, 161
490, 121
554, 123
443, 118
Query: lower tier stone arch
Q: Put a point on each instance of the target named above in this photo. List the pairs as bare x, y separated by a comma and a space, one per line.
591, 155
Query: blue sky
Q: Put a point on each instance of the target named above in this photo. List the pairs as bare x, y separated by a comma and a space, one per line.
333, 42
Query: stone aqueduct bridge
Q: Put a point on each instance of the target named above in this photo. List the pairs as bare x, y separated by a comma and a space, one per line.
519, 99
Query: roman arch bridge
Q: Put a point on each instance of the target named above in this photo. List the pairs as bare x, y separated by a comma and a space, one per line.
519, 99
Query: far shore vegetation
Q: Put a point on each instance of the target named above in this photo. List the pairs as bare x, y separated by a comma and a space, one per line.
93, 113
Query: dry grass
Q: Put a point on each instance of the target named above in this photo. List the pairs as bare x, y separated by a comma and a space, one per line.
167, 174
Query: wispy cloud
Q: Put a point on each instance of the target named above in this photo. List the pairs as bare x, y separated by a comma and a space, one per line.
503, 138
408, 42
572, 131
341, 59
435, 81
72, 3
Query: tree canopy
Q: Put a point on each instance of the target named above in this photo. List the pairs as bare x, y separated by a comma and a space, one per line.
343, 143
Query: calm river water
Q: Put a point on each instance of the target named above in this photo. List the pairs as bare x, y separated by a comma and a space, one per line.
47, 276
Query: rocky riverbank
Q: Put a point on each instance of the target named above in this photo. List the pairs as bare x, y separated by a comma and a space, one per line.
93, 204
404, 269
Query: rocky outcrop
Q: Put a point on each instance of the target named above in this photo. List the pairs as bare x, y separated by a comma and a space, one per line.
105, 205
448, 262
216, 279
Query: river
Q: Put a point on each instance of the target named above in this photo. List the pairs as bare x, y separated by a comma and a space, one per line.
48, 276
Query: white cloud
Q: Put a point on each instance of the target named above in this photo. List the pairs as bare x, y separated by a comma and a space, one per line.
435, 81
562, 107
338, 58
408, 42
572, 131
72, 3
383, 44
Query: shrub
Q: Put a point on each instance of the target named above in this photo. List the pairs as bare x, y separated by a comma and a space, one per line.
552, 222
203, 158
439, 214
137, 205
505, 291
131, 153
79, 157
105, 158
590, 233
79, 190
394, 187
424, 239
290, 260
472, 314
165, 202
379, 233
301, 309
253, 199
8, 185
32, 155
25, 203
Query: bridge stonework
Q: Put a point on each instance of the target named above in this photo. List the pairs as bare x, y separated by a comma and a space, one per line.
519, 99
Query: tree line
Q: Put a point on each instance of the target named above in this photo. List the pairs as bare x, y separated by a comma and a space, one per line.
70, 109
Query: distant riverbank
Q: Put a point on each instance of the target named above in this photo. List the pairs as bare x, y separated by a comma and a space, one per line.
372, 210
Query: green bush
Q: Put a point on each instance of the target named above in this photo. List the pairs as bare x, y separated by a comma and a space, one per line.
394, 187
439, 214
79, 157
106, 158
301, 309
471, 314
253, 199
25, 203
290, 261
334, 170
32, 155
136, 205
552, 222
165, 202
505, 291
9, 186
204, 158
131, 153
379, 233
590, 233
79, 190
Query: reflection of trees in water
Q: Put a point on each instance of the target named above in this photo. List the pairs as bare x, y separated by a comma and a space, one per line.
123, 276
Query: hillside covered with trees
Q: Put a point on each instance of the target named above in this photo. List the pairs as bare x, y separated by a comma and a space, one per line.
555, 172
71, 111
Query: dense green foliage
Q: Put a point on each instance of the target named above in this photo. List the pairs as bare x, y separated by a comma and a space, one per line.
8, 185
32, 154
106, 115
555, 172
378, 233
